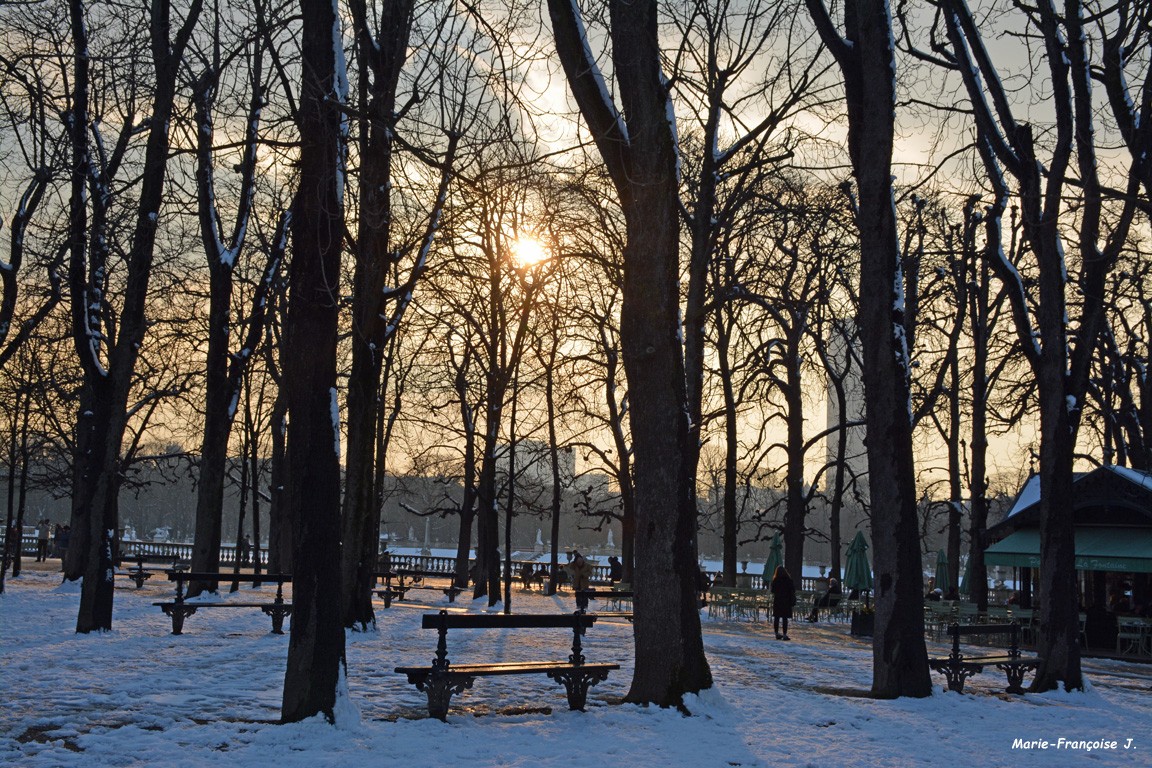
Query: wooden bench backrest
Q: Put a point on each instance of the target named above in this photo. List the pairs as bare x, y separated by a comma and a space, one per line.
982, 629
206, 576
609, 593
502, 621
1012, 630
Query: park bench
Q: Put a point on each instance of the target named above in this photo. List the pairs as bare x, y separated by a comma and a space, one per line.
613, 597
443, 678
179, 609
957, 667
408, 579
140, 573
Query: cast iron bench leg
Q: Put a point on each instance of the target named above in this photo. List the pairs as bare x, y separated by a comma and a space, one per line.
440, 689
577, 682
277, 612
178, 613
956, 674
1015, 673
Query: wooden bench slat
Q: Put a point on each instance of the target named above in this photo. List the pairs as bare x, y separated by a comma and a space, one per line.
507, 621
508, 668
198, 604
285, 578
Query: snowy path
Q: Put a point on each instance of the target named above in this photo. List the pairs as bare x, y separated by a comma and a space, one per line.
139, 696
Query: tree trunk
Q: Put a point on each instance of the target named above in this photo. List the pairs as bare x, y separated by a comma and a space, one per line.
867, 61
280, 508
316, 648
640, 153
101, 423
360, 507
731, 531
978, 536
468, 495
1058, 639
380, 62
219, 408
487, 575
797, 505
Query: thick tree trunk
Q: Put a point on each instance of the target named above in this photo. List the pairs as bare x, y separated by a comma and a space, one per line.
640, 152
361, 512
316, 648
867, 61
380, 61
1058, 639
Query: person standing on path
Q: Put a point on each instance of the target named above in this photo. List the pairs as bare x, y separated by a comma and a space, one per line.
43, 533
783, 598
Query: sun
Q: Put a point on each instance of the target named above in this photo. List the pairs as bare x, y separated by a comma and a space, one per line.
528, 252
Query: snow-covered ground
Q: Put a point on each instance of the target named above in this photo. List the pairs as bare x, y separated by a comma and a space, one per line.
140, 696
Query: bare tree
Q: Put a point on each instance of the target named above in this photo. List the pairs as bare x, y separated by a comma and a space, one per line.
108, 343
723, 47
388, 262
866, 58
1009, 148
637, 144
225, 367
316, 650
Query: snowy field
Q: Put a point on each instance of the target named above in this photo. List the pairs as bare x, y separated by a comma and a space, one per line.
140, 696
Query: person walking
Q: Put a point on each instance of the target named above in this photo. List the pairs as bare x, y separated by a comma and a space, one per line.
580, 571
615, 569
43, 533
783, 598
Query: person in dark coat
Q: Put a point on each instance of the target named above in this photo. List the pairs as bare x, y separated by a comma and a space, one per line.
783, 598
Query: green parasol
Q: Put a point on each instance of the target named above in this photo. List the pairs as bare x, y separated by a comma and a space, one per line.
942, 582
857, 571
966, 579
